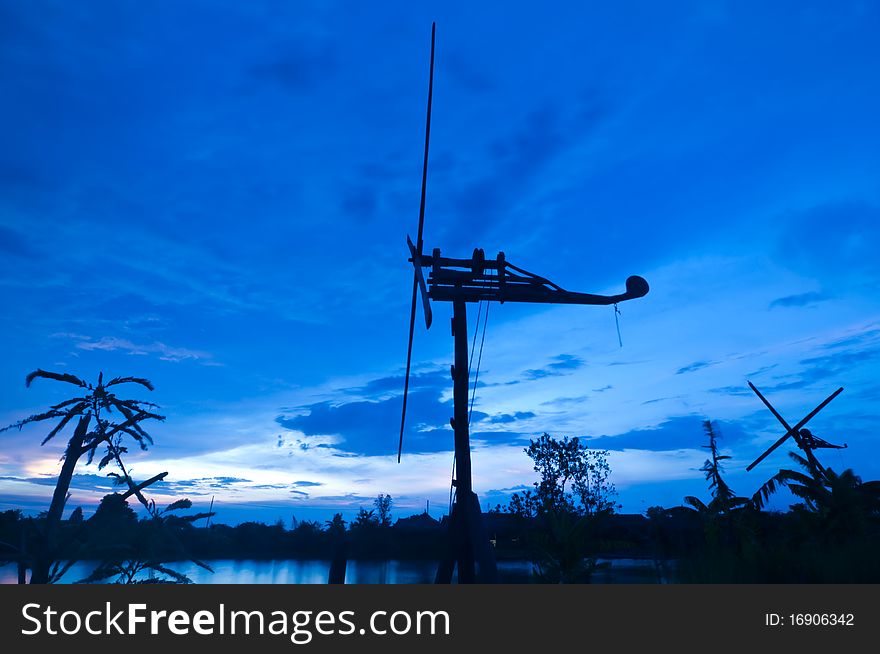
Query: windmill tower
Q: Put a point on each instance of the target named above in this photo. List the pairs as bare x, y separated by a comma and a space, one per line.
461, 281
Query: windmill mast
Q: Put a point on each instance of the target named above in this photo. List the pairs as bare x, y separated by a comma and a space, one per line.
460, 281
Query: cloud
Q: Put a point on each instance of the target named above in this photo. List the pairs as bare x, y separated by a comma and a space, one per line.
506, 418
561, 364
83, 482
515, 159
382, 386
562, 401
200, 485
738, 391
352, 500
367, 427
800, 300
837, 365
677, 433
697, 365
867, 336
161, 350
661, 399
498, 437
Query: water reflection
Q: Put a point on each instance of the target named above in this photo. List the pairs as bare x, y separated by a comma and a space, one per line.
236, 571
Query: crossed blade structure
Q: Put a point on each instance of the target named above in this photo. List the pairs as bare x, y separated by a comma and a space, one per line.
460, 281
804, 439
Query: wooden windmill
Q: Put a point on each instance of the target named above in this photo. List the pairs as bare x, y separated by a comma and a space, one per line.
804, 438
460, 281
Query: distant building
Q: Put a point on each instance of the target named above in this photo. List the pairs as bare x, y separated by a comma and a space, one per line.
417, 523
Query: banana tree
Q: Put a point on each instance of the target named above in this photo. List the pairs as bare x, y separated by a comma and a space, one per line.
841, 504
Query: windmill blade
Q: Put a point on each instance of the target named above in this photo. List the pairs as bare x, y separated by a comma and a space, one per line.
794, 429
418, 278
419, 242
788, 430
770, 406
412, 323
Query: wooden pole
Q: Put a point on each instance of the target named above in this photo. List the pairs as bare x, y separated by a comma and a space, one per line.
462, 518
460, 400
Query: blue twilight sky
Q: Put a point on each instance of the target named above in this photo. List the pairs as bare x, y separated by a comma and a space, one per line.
215, 196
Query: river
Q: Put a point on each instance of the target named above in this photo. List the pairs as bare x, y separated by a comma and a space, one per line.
291, 571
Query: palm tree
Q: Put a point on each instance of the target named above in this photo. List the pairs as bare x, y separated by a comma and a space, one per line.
724, 501
842, 503
92, 408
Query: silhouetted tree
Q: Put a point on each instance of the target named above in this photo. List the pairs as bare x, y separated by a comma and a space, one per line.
91, 410
365, 520
724, 501
574, 479
840, 505
567, 502
383, 509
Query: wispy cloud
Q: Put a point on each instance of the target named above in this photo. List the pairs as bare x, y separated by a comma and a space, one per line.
693, 367
158, 349
561, 364
800, 300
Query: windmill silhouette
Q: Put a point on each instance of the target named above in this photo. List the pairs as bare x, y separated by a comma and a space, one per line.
460, 281
803, 438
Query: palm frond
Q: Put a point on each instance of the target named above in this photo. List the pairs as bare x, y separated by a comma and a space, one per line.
57, 376
107, 458
178, 505
134, 380
65, 403
134, 405
800, 460
796, 477
75, 411
37, 417
136, 431
90, 450
142, 415
696, 503
803, 492
768, 488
